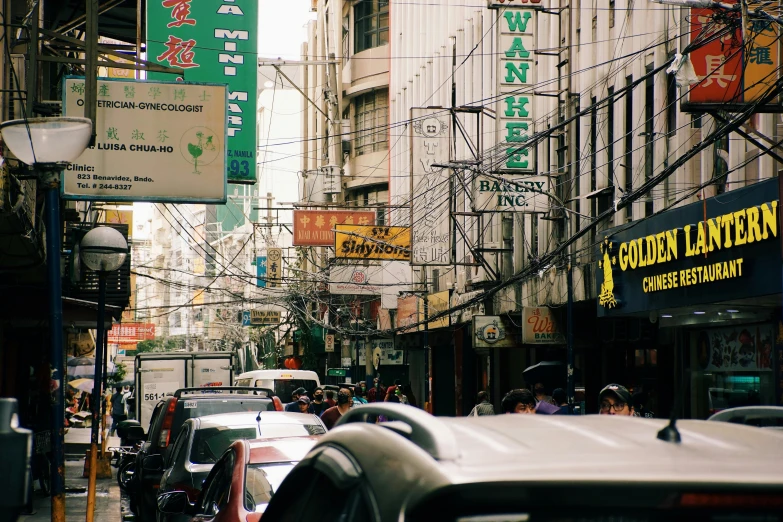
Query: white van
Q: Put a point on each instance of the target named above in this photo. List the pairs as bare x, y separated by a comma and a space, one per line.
282, 382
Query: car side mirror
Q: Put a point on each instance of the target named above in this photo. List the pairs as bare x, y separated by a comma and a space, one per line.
174, 503
153, 463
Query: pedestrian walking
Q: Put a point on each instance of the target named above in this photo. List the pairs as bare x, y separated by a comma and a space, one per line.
319, 405
333, 414
541, 395
519, 401
303, 403
358, 395
118, 409
293, 406
483, 406
615, 399
329, 394
560, 400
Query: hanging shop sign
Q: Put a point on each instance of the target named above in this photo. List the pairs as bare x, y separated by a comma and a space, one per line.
732, 72
510, 193
264, 317
430, 187
735, 348
383, 348
329, 343
274, 267
131, 333
463, 312
679, 259
372, 242
154, 142
407, 313
493, 331
516, 77
213, 41
356, 280
539, 326
436, 303
261, 271
316, 227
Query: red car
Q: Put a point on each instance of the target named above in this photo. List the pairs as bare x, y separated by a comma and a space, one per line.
242, 482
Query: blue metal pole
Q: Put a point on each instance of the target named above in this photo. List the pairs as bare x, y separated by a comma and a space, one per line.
53, 236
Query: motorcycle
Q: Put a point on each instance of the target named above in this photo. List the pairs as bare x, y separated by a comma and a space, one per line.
124, 457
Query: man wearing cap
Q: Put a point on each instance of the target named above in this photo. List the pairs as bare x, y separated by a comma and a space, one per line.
615, 399
294, 406
304, 404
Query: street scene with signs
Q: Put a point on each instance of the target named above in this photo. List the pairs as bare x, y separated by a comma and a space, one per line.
308, 260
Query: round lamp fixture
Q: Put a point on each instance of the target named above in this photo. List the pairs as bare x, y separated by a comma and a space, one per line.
103, 249
47, 141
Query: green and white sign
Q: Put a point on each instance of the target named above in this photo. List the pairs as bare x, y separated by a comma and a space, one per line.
516, 68
155, 141
214, 41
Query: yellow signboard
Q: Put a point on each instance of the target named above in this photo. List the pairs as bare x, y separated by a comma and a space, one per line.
762, 62
372, 242
264, 317
437, 303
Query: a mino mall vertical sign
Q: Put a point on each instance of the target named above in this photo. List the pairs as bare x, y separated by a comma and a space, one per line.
214, 41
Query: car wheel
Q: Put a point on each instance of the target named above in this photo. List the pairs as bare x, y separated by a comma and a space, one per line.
125, 474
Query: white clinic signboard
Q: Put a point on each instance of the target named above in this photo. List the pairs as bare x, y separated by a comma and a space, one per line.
155, 141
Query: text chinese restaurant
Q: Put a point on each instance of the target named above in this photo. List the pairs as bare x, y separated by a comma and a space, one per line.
704, 280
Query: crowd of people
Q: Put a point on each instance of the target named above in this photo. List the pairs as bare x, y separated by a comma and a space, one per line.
330, 406
614, 399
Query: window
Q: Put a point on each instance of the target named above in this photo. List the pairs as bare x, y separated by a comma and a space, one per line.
217, 487
371, 24
371, 114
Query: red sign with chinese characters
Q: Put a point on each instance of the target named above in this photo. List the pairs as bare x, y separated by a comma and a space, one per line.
718, 63
131, 333
316, 227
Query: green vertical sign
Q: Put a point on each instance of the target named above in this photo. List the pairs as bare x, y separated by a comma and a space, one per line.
214, 41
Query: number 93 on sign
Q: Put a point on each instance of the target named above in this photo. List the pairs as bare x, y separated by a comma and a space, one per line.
239, 168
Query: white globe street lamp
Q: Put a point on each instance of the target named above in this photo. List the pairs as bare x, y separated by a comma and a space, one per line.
103, 250
47, 145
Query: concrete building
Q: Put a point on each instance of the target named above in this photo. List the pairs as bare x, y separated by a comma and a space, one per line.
606, 119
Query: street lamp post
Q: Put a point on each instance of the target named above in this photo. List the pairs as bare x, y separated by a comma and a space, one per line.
102, 250
48, 145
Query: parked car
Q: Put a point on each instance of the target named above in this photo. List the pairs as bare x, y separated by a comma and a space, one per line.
168, 417
511, 468
281, 382
202, 441
256, 468
759, 416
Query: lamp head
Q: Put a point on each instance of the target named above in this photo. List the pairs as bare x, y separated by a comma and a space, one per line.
47, 142
103, 249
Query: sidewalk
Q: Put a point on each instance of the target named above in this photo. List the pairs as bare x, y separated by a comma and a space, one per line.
108, 502
107, 498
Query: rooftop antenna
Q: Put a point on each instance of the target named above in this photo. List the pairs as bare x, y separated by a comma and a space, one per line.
669, 433
258, 421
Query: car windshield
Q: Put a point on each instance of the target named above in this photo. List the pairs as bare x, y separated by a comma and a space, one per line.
261, 482
210, 443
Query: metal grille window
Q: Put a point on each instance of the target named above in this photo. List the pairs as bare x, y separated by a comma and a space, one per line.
371, 24
371, 114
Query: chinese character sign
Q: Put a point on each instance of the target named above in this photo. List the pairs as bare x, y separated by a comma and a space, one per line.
316, 227
274, 267
516, 67
718, 62
154, 142
213, 41
430, 187
762, 58
261, 271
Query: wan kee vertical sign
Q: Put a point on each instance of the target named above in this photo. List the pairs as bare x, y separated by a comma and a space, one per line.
430, 187
214, 41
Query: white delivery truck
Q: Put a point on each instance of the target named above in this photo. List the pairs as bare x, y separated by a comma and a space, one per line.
161, 374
